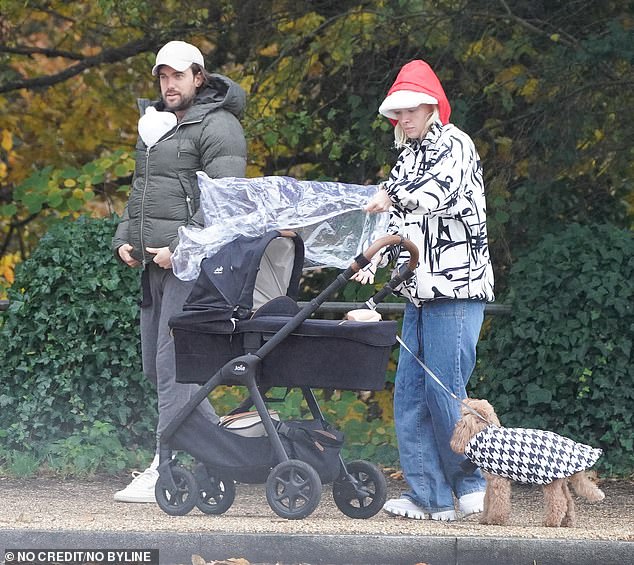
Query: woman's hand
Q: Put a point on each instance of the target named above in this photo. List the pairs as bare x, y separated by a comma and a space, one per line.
380, 202
365, 275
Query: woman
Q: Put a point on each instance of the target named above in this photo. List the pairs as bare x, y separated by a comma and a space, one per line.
435, 195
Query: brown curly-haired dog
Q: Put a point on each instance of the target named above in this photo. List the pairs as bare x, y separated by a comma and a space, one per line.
558, 503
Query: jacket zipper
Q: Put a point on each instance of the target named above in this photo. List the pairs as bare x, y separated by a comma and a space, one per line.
188, 199
147, 164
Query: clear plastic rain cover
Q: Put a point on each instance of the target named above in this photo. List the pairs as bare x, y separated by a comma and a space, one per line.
327, 215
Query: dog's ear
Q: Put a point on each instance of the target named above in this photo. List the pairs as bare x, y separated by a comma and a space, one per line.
460, 437
484, 408
493, 418
488, 412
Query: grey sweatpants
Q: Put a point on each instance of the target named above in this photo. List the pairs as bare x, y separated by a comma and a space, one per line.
164, 296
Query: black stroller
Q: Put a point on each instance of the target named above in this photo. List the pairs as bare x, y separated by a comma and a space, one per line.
241, 325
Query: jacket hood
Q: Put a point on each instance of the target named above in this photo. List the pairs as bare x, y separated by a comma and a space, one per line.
418, 77
221, 92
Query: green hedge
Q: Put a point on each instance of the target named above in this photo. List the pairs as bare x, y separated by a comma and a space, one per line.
71, 367
563, 359
72, 394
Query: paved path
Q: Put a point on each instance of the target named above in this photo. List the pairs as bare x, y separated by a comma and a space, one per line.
50, 513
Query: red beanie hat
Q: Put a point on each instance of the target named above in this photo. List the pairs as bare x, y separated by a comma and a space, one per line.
415, 84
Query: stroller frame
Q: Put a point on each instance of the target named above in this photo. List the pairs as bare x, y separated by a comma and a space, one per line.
293, 486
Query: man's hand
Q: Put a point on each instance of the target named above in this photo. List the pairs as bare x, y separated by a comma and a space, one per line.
380, 202
162, 256
124, 253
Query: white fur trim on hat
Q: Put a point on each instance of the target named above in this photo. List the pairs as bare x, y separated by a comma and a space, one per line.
403, 99
178, 55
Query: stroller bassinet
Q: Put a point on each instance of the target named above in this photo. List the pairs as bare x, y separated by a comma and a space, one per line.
242, 325
337, 354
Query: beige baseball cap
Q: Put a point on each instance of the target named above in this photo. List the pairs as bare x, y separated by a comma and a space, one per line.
179, 55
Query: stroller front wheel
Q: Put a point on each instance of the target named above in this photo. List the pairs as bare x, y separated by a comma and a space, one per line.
362, 492
177, 498
293, 489
215, 492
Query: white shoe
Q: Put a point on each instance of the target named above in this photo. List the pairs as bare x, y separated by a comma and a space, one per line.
444, 516
471, 503
141, 489
409, 509
405, 507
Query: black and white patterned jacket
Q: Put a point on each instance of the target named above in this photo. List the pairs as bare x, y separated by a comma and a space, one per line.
437, 192
529, 456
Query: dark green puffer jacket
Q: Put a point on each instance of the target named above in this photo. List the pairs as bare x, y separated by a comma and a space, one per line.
165, 193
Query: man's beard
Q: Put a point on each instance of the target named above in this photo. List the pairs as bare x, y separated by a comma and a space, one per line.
185, 103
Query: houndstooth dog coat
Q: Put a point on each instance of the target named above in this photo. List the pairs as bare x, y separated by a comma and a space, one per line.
529, 456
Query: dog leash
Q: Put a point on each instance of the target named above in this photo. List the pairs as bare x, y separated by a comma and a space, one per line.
438, 381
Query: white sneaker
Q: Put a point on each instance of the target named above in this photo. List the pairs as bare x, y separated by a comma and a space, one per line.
471, 503
444, 516
141, 489
405, 507
409, 509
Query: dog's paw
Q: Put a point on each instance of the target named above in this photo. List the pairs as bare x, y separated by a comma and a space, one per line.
596, 496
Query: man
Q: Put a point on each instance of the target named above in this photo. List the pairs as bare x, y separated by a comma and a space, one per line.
193, 127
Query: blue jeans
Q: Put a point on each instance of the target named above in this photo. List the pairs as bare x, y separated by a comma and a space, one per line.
443, 334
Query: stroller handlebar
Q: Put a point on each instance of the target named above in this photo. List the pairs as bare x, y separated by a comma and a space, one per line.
405, 272
387, 241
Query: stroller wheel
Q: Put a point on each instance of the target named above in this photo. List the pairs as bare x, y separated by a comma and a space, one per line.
180, 500
293, 489
215, 493
361, 493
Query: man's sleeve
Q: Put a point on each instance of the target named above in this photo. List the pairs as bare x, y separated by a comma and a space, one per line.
223, 146
223, 151
121, 234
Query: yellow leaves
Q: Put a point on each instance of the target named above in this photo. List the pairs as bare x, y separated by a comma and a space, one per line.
484, 48
272, 50
6, 141
507, 77
504, 148
254, 170
246, 82
302, 26
315, 68
515, 80
521, 168
384, 399
7, 271
596, 137
530, 89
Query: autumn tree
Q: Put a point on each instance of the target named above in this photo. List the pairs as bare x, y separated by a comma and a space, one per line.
542, 88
